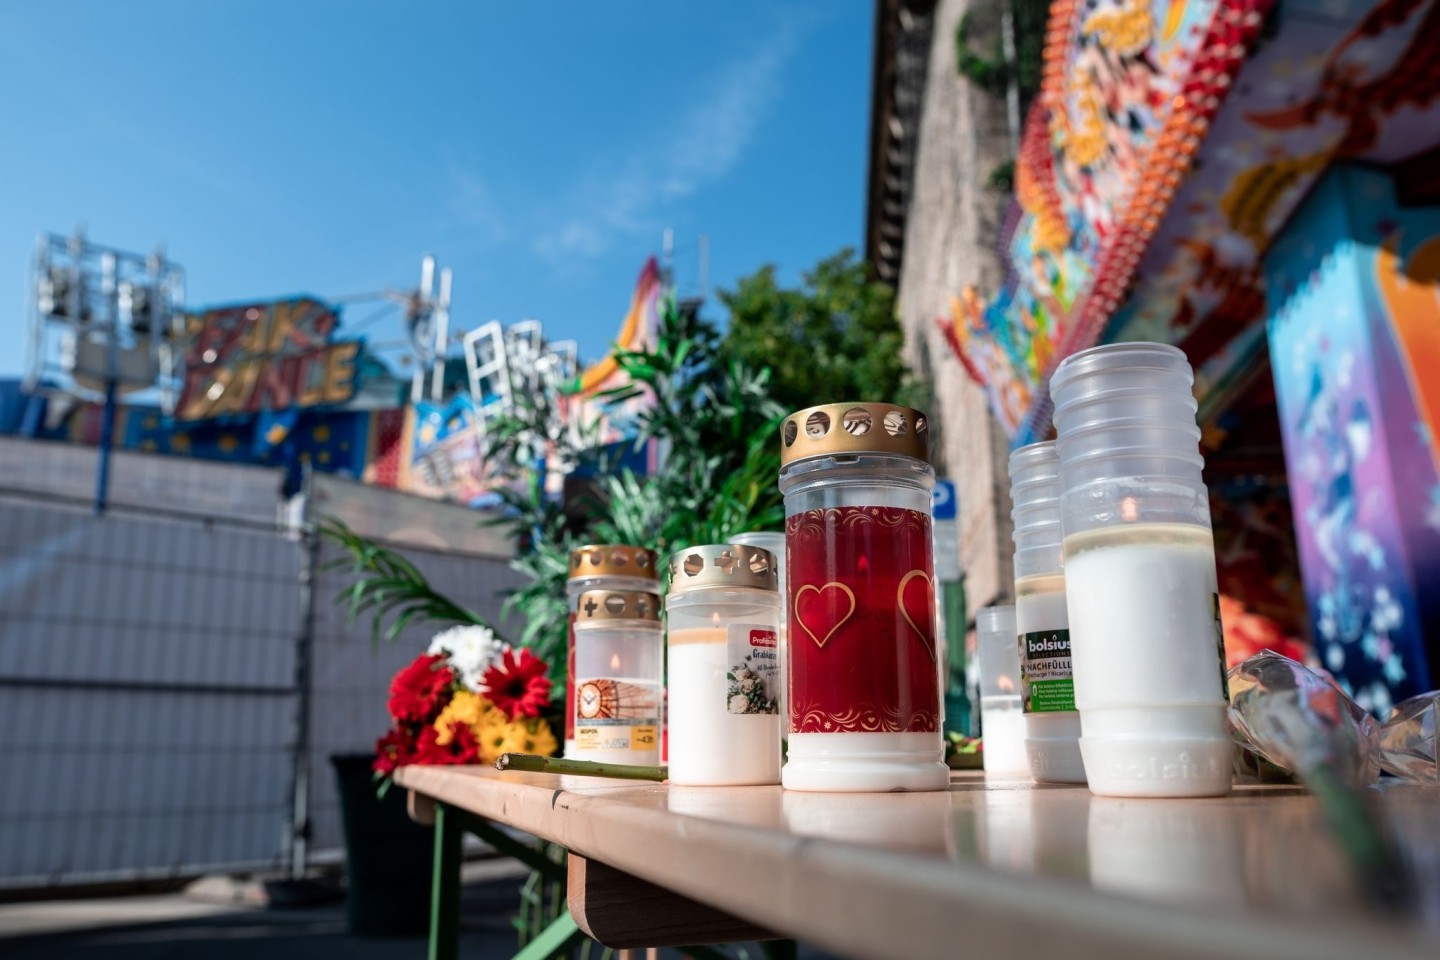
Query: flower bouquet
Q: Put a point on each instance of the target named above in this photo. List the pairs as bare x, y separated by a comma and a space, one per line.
469, 698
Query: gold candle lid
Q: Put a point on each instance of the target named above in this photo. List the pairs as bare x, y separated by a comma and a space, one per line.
849, 428
723, 565
612, 560
616, 605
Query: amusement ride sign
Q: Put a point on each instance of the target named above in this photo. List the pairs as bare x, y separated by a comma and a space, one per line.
265, 357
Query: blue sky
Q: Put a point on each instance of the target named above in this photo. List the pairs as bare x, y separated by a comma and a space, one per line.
538, 149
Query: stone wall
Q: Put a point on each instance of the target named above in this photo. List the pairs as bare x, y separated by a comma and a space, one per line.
954, 219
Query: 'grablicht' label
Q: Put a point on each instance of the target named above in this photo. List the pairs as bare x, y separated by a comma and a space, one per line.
1045, 683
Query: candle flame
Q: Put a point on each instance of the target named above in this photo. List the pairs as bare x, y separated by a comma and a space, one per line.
614, 661
1129, 510
715, 619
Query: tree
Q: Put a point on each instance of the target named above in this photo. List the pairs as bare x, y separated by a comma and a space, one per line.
832, 339
719, 430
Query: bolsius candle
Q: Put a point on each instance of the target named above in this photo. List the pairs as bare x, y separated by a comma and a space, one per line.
602, 567
1146, 645
619, 670
1052, 725
722, 615
865, 664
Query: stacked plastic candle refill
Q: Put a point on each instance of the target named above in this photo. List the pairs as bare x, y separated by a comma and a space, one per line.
1139, 567
1052, 725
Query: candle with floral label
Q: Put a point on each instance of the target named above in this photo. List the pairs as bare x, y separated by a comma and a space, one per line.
722, 615
602, 566
774, 541
619, 670
865, 662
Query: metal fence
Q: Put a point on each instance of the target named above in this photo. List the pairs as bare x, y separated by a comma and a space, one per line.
172, 682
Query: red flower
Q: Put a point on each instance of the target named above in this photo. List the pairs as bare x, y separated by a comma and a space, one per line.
419, 692
517, 685
1247, 634
395, 749
462, 748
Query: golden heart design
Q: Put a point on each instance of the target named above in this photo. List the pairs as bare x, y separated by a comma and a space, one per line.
832, 585
925, 614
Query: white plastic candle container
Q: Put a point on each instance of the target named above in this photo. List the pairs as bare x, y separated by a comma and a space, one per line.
865, 658
619, 677
1146, 645
722, 617
1047, 691
1002, 723
602, 566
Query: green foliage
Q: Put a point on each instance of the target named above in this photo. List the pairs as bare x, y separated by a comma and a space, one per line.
833, 338
717, 405
388, 588
991, 73
718, 428
1031, 17
1002, 177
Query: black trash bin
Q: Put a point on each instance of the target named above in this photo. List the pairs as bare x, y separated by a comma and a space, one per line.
388, 856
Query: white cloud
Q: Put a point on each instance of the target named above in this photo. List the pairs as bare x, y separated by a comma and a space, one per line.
700, 147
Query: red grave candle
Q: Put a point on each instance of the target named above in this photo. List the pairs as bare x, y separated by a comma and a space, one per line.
862, 621
864, 664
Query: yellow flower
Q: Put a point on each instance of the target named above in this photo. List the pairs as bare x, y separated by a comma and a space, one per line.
528, 736
469, 708
492, 736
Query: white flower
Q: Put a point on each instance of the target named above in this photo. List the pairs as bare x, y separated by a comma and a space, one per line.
747, 685
738, 704
472, 650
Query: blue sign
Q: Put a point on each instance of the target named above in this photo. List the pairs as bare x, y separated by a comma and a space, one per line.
943, 501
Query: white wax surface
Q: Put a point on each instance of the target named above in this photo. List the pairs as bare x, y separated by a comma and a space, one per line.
1142, 620
1002, 731
708, 744
1146, 652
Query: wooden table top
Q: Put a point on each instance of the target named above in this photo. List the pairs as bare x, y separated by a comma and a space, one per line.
997, 870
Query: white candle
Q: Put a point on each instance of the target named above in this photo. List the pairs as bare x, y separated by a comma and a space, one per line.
1148, 659
1051, 738
619, 666
710, 742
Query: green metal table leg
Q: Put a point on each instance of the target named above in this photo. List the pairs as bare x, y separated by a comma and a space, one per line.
445, 885
556, 939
